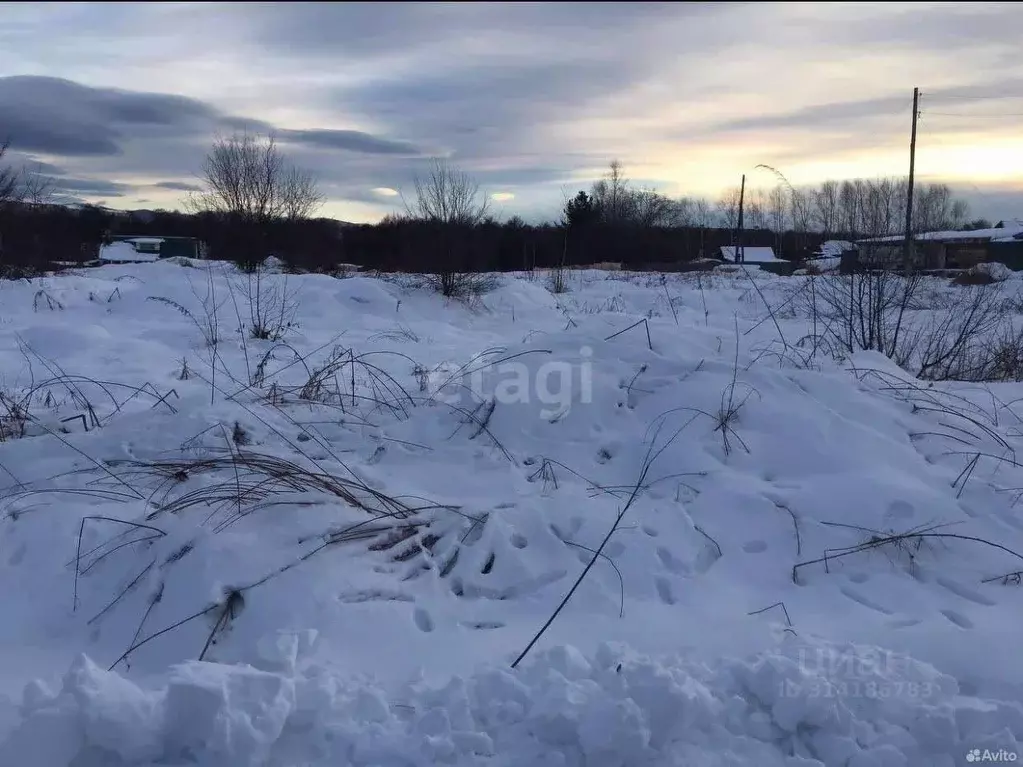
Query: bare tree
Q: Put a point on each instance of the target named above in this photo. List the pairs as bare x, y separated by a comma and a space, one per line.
776, 208
776, 211
851, 199
728, 208
250, 178
825, 206
446, 195
882, 208
451, 201
684, 212
801, 210
612, 196
932, 208
960, 214
36, 188
615, 201
703, 214
754, 210
301, 194
8, 178
650, 208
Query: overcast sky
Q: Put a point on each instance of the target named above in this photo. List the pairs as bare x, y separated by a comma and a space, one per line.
122, 101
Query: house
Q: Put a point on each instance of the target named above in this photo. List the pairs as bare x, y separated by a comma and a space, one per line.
751, 254
951, 249
140, 249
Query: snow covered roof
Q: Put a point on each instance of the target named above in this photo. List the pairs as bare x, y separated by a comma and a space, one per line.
146, 240
124, 252
1006, 231
752, 253
831, 248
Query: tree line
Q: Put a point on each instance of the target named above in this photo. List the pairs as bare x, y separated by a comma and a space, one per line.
254, 203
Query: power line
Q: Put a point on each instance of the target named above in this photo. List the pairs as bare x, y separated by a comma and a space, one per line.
961, 114
990, 97
971, 98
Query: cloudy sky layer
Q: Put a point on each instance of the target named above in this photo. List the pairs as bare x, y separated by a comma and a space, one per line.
122, 101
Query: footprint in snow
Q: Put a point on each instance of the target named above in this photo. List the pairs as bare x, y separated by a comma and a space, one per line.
17, 555
664, 591
422, 620
754, 547
958, 619
965, 592
614, 549
671, 562
567, 531
864, 601
900, 510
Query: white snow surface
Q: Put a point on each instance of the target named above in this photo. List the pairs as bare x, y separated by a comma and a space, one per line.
690, 641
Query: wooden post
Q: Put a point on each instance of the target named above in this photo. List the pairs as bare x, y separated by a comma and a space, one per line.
740, 250
907, 252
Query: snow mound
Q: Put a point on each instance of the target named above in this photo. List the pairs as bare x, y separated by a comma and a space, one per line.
997, 271
523, 296
802, 704
824, 264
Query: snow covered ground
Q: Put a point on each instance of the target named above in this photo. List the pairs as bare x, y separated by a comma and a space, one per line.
330, 547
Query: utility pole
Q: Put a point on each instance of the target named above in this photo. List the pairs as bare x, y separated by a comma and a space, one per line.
740, 251
907, 253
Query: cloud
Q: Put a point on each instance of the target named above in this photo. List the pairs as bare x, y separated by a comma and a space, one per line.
484, 113
385, 191
121, 133
60, 117
349, 141
178, 186
941, 26
41, 168
502, 196
92, 187
840, 113
364, 32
